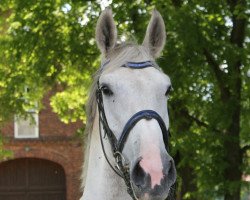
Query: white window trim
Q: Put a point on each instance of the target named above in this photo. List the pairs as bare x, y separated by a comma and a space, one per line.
36, 118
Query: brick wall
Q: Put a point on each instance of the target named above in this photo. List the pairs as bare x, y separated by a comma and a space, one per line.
56, 142
49, 123
66, 153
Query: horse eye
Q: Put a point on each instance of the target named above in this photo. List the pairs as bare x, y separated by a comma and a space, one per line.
168, 90
106, 91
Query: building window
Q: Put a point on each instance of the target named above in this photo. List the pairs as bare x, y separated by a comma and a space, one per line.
27, 127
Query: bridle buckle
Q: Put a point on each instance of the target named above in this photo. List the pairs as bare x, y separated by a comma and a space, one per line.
119, 157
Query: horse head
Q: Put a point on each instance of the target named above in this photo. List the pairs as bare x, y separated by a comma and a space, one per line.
132, 94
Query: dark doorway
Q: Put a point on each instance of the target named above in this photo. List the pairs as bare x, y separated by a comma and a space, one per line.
32, 179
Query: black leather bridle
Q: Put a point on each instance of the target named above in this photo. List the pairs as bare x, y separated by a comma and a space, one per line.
117, 144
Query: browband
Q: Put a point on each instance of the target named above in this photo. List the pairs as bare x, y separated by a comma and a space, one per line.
133, 65
139, 65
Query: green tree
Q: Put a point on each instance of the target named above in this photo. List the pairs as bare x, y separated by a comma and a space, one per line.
47, 44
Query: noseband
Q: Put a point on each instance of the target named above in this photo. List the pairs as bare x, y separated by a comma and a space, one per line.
117, 144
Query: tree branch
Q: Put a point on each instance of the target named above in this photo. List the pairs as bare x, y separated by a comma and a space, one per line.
245, 149
220, 77
237, 35
238, 31
183, 112
177, 3
232, 4
201, 123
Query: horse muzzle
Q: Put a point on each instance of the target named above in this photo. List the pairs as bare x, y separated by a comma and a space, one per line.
144, 181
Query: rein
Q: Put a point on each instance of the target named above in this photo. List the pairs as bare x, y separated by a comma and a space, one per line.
117, 145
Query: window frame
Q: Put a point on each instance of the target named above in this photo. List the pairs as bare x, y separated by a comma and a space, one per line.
36, 129
35, 115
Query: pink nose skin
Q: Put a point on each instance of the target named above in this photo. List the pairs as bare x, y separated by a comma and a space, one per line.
151, 163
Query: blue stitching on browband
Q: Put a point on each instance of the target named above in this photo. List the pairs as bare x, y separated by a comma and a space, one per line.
138, 65
133, 65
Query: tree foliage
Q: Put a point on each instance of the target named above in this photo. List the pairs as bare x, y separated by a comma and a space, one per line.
46, 44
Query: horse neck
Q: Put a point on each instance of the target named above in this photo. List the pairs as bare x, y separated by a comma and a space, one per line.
101, 181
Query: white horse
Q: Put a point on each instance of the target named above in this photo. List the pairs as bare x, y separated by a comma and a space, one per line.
126, 155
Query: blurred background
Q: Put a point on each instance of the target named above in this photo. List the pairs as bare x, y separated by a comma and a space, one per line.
48, 44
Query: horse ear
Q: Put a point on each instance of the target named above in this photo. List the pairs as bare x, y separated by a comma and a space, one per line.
106, 33
156, 35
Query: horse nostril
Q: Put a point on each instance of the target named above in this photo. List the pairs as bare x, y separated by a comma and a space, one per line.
138, 175
148, 178
171, 171
170, 167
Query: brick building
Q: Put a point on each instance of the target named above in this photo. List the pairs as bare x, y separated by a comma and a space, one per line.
47, 159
